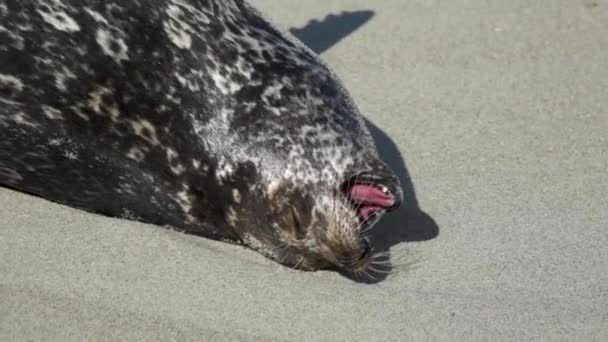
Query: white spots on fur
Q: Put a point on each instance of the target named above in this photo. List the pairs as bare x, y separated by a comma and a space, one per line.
249, 106
273, 187
196, 164
4, 118
78, 111
198, 16
129, 215
136, 153
224, 169
226, 115
236, 195
21, 118
172, 91
96, 101
96, 98
273, 91
97, 16
114, 112
176, 29
232, 216
255, 44
144, 129
175, 167
44, 60
154, 201
58, 18
220, 82
112, 45
101, 158
69, 147
179, 37
171, 154
150, 178
52, 113
61, 76
244, 67
233, 87
10, 81
276, 111
9, 175
190, 84
56, 142
125, 185
224, 85
255, 83
72, 155
198, 127
16, 41
183, 199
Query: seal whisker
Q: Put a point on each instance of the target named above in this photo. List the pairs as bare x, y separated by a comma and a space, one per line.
356, 274
383, 260
382, 254
378, 270
367, 228
300, 261
388, 266
369, 274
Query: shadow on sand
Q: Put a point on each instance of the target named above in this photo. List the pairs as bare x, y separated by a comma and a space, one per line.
409, 223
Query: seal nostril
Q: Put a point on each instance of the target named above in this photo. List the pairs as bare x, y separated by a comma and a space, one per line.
367, 249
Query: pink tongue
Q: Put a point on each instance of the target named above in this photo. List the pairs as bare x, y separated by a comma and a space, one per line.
369, 199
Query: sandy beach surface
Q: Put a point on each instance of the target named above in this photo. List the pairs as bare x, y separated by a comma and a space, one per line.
499, 110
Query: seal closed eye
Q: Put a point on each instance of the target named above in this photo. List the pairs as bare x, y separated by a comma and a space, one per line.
199, 115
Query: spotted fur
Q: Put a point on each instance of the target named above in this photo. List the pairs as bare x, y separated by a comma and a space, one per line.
194, 114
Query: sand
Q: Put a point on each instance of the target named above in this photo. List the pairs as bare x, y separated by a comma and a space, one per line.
500, 112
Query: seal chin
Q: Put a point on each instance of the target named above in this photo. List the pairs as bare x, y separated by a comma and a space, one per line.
356, 260
351, 259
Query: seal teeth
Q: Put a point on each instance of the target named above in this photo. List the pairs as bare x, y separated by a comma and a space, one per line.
384, 189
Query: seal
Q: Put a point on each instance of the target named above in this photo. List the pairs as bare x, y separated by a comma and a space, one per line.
198, 115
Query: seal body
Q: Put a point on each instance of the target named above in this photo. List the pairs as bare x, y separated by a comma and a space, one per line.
194, 114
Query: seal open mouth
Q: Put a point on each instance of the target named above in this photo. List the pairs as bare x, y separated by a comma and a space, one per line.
369, 196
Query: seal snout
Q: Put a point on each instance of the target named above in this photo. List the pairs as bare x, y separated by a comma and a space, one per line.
358, 259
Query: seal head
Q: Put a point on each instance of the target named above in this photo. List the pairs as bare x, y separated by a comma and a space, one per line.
317, 225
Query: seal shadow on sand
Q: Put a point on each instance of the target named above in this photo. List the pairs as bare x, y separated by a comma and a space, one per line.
409, 223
